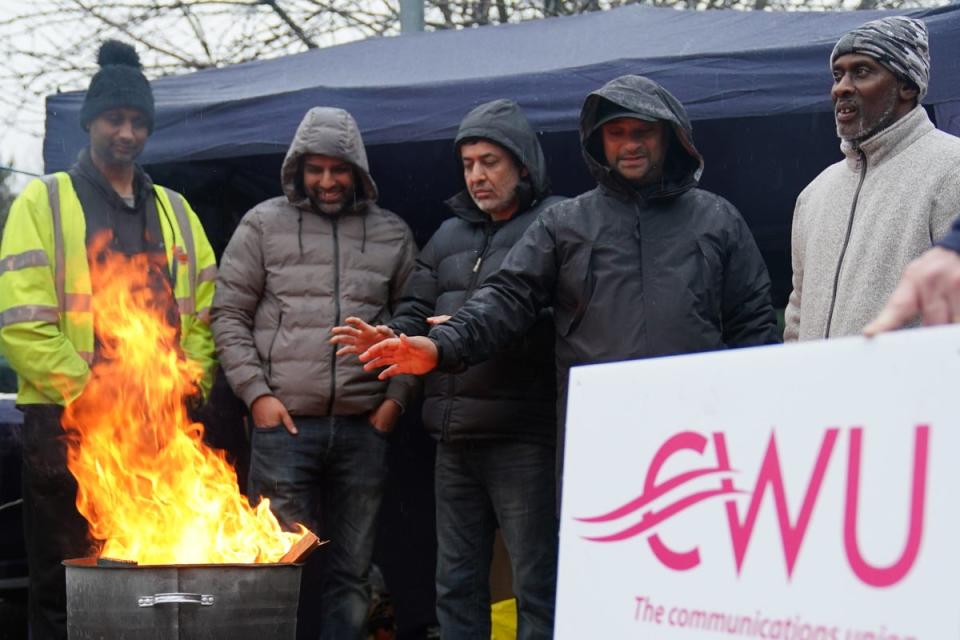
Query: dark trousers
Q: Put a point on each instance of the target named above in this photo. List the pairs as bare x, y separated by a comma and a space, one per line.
53, 528
479, 485
336, 466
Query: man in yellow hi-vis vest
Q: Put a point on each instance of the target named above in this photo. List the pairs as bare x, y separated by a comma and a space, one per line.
46, 323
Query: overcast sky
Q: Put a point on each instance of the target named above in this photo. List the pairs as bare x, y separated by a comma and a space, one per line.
21, 131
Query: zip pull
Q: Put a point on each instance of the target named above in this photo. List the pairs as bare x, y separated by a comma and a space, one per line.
476, 267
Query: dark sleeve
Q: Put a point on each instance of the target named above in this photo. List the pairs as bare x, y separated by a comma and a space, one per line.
748, 316
507, 303
403, 389
952, 239
419, 298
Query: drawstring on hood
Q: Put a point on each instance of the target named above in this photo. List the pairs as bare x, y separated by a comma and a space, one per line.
503, 123
300, 230
683, 164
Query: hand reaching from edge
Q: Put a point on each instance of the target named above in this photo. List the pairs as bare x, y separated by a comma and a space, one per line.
930, 288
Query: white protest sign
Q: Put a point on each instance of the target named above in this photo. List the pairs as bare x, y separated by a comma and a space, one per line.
800, 492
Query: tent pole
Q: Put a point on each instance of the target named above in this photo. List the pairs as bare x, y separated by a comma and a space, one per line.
411, 16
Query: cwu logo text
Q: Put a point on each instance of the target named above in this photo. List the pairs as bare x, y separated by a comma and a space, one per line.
770, 478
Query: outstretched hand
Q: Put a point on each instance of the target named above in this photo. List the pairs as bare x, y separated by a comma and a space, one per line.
417, 355
356, 336
930, 288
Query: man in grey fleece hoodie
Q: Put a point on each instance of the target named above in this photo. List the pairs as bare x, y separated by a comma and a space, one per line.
297, 265
861, 221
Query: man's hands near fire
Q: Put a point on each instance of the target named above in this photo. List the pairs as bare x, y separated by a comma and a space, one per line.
417, 355
379, 346
356, 336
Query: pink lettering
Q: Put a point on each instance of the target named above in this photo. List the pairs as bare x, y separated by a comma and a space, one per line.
770, 475
885, 576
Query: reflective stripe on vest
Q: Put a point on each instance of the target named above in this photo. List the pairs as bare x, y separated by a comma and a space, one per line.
53, 195
30, 313
78, 302
209, 274
176, 201
186, 306
32, 258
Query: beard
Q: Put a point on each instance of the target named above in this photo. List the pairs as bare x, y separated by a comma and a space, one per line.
493, 206
864, 126
328, 207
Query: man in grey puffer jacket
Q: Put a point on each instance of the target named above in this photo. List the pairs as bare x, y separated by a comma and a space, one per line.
861, 221
297, 265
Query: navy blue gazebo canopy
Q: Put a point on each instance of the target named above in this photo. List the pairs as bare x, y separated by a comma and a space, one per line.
720, 64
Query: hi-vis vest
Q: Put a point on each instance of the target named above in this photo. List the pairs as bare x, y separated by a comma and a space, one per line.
46, 322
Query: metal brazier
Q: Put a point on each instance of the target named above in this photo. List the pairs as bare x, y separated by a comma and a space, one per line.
189, 602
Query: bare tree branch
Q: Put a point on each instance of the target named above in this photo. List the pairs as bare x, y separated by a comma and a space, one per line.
294, 27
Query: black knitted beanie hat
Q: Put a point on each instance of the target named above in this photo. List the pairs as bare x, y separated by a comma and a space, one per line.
119, 83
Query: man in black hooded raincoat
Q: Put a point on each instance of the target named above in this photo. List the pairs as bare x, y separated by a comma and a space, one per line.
646, 264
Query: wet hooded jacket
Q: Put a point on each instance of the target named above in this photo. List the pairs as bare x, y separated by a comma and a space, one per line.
630, 273
511, 395
291, 273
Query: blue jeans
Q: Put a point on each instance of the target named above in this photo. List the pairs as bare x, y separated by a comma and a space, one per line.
480, 484
335, 467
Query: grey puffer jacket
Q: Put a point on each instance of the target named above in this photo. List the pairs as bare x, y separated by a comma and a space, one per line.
511, 395
290, 274
630, 273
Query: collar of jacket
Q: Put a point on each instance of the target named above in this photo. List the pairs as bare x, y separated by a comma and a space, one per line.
889, 142
625, 191
142, 184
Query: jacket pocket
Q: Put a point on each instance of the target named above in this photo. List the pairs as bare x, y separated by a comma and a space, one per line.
273, 342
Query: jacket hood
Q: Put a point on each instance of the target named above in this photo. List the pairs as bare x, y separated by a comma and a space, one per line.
503, 122
330, 132
646, 98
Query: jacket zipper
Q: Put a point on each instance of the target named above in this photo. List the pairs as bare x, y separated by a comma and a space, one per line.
474, 278
273, 341
643, 282
846, 241
336, 302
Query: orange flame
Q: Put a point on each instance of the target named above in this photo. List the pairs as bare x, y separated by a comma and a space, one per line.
149, 487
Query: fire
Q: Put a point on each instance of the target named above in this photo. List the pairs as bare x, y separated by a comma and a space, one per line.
149, 487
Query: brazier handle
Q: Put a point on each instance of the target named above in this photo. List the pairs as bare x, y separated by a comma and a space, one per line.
205, 600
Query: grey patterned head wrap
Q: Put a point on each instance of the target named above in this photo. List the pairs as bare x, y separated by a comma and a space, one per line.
899, 43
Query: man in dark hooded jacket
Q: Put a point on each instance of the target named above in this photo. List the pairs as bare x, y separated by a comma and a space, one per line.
495, 421
646, 264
